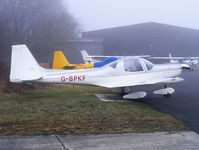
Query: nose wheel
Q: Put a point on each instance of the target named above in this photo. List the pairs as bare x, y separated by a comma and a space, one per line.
166, 91
168, 94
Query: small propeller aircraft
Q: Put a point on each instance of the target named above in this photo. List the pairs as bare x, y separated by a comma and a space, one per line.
120, 74
191, 61
61, 62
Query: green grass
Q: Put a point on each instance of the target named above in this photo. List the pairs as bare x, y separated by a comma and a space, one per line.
75, 110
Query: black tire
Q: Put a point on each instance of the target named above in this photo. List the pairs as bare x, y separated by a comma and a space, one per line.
167, 95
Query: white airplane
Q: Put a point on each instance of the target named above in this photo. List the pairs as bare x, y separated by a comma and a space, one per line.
191, 61
121, 74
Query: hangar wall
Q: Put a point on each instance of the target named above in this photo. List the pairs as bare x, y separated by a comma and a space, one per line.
91, 45
148, 38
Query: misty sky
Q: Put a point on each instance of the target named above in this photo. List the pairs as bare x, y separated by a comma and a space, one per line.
99, 14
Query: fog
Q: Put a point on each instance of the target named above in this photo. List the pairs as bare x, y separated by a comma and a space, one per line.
99, 14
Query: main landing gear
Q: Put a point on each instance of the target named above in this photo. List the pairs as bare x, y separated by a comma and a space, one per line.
128, 94
166, 91
133, 95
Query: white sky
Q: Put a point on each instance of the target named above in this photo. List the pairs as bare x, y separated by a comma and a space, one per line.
99, 14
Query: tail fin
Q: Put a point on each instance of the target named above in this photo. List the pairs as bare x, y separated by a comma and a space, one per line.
170, 58
24, 67
59, 60
86, 57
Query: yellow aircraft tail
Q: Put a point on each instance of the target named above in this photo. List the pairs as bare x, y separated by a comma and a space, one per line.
59, 60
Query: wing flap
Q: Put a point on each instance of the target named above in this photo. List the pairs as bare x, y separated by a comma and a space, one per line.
144, 82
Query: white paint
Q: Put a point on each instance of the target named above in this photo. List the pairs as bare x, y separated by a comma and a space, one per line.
135, 95
164, 91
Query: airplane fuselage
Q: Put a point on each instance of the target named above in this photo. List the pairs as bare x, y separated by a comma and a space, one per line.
110, 77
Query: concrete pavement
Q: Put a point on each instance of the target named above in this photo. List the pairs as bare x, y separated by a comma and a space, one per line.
130, 141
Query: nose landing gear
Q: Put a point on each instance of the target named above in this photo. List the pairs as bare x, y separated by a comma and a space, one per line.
166, 91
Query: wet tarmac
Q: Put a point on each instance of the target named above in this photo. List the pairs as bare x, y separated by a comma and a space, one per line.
183, 104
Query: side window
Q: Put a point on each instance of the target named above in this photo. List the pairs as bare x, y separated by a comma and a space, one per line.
148, 64
113, 65
132, 65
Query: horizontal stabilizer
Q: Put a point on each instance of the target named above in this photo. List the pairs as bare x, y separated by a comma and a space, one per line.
127, 82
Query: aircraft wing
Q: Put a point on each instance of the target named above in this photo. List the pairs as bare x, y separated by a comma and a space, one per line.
174, 58
166, 58
99, 56
125, 83
194, 58
89, 58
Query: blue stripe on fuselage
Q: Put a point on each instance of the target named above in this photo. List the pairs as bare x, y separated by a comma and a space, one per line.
104, 62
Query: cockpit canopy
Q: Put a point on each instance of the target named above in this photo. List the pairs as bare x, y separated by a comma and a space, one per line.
134, 64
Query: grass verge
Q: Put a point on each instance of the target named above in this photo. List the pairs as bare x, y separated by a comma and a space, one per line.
75, 110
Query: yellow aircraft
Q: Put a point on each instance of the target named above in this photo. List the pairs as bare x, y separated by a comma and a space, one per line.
61, 62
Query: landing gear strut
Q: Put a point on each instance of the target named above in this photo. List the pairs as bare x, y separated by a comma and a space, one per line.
127, 94
123, 92
166, 91
168, 94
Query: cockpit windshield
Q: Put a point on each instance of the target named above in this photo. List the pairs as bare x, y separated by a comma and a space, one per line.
132, 65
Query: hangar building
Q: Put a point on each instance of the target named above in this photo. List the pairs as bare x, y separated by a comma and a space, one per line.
147, 38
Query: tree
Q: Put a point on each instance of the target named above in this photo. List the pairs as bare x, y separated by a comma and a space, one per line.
44, 25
